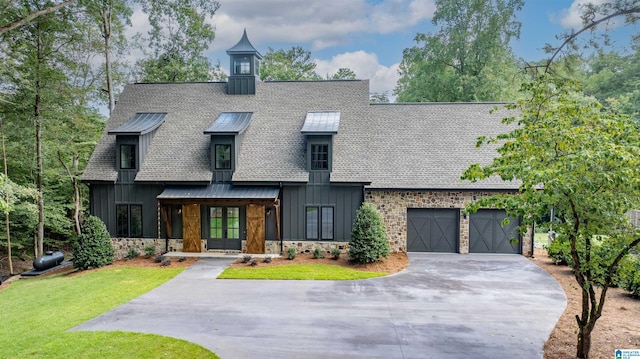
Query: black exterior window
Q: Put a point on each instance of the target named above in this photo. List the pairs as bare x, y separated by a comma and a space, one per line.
223, 157
127, 157
319, 157
129, 220
241, 66
319, 221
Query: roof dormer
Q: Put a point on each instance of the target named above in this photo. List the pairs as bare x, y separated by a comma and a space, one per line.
319, 129
226, 137
245, 67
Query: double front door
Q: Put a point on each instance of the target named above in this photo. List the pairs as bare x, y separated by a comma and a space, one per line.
224, 228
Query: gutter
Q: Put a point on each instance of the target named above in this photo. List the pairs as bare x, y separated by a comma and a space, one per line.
281, 226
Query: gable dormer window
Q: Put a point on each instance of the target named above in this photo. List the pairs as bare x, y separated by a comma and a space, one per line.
319, 157
223, 157
128, 157
319, 129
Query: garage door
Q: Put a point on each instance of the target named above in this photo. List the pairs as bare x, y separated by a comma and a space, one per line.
486, 234
432, 230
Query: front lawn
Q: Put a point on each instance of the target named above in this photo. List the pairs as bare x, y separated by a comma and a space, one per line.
35, 315
299, 272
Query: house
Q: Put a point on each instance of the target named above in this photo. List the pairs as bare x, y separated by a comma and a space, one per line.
257, 167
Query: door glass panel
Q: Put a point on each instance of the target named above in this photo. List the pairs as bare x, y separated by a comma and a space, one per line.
122, 220
215, 222
233, 222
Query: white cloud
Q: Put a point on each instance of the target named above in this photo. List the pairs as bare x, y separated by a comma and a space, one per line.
366, 66
322, 23
570, 17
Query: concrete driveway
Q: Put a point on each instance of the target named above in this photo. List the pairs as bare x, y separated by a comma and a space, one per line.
442, 306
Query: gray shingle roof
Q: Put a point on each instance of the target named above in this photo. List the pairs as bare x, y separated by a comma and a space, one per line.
400, 146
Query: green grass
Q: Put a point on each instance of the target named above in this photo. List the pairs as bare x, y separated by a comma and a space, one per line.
299, 272
35, 315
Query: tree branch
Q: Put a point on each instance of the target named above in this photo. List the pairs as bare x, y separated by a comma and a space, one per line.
33, 15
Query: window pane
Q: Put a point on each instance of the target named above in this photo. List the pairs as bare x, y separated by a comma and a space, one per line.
233, 222
319, 157
223, 157
136, 220
127, 157
122, 220
241, 66
215, 222
312, 222
327, 222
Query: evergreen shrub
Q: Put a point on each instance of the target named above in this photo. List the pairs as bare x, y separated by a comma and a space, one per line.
93, 247
368, 238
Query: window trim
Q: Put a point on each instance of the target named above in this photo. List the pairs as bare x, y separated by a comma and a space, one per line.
215, 154
319, 235
238, 67
316, 150
132, 156
129, 221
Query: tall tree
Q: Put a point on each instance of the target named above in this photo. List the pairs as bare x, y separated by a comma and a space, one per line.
288, 65
180, 34
571, 154
22, 17
468, 59
343, 73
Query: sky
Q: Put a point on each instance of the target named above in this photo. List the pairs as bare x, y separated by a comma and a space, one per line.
367, 36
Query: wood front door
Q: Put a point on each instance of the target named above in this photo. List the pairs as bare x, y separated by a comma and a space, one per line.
255, 229
191, 241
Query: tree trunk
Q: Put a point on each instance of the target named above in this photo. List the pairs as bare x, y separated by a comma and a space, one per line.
106, 33
6, 214
76, 195
39, 247
584, 342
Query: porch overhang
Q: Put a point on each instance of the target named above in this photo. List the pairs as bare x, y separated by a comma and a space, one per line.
220, 193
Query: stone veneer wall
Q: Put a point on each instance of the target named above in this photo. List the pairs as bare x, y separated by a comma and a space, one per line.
392, 206
273, 247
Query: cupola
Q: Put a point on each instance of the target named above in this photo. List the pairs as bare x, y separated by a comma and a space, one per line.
245, 67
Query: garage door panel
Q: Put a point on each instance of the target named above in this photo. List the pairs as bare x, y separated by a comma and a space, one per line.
432, 230
486, 234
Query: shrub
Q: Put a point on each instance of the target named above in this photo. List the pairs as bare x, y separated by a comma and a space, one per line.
165, 262
149, 250
159, 258
132, 253
93, 247
317, 253
291, 253
335, 253
253, 263
246, 258
629, 275
560, 251
267, 259
368, 239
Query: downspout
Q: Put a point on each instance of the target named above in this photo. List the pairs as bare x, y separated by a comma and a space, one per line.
280, 229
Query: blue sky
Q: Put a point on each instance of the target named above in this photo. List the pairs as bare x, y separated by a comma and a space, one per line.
367, 36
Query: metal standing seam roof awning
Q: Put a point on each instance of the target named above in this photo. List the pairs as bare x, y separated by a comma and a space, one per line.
219, 191
139, 124
321, 123
229, 123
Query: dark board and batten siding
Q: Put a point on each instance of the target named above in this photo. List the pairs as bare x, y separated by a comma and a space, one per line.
105, 197
344, 199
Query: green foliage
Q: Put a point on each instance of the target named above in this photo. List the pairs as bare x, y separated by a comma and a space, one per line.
93, 248
570, 153
180, 34
343, 73
630, 275
291, 253
560, 251
149, 250
317, 253
468, 59
133, 252
246, 258
335, 253
294, 64
368, 239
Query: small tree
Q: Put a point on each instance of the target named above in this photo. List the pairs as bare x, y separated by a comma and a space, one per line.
570, 153
93, 247
368, 239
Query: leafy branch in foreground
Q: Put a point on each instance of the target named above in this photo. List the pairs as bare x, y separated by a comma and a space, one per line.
584, 160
